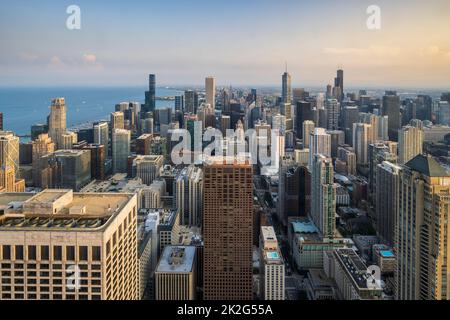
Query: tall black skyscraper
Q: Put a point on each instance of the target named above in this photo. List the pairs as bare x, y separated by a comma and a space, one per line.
150, 95
391, 108
339, 85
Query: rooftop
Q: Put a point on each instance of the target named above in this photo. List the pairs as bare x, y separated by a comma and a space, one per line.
177, 259
428, 166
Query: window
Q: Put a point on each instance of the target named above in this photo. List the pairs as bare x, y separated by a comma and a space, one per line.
70, 253
31, 252
96, 253
6, 252
83, 253
57, 253
19, 252
45, 253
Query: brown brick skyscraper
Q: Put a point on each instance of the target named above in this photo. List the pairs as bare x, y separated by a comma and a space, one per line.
227, 228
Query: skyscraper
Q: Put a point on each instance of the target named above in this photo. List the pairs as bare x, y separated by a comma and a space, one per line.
339, 85
410, 143
323, 195
9, 151
391, 108
148, 167
210, 87
362, 137
421, 237
332, 107
308, 128
189, 195
42, 146
228, 230
191, 101
286, 88
117, 120
57, 121
150, 95
319, 143
101, 133
120, 149
386, 205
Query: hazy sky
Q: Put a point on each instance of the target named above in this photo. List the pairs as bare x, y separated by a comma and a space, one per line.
240, 42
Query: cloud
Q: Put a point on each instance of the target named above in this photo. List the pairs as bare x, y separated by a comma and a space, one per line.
369, 51
56, 62
89, 58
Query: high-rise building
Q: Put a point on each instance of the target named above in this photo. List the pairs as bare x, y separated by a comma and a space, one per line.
346, 160
319, 143
1, 121
9, 150
148, 167
271, 266
410, 143
286, 88
68, 139
101, 133
308, 128
337, 139
339, 85
117, 120
332, 108
362, 137
421, 237
304, 110
323, 195
42, 146
98, 158
189, 195
179, 103
350, 115
84, 234
386, 205
391, 108
191, 101
210, 88
228, 229
150, 95
120, 149
175, 275
57, 121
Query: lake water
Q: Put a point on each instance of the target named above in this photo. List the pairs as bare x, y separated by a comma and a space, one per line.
23, 107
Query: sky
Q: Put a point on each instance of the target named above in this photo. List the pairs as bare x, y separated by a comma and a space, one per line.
239, 42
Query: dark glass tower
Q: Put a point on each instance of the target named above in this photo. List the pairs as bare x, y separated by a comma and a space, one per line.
150, 95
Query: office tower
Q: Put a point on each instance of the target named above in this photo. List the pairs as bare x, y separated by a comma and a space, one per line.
271, 266
163, 116
101, 133
189, 195
148, 167
37, 129
191, 101
350, 273
279, 123
150, 95
362, 137
143, 144
70, 169
9, 151
378, 153
225, 123
410, 143
350, 115
319, 143
85, 234
120, 149
339, 85
329, 91
391, 108
175, 276
25, 153
42, 146
323, 195
308, 128
98, 158
286, 111
304, 111
228, 230
304, 194
332, 107
422, 242
299, 94
286, 180
9, 182
1, 121
86, 135
210, 88
68, 139
286, 88
57, 121
443, 113
388, 177
117, 120
337, 139
346, 160
179, 103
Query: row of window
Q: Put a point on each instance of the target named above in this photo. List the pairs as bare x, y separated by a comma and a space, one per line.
17, 252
